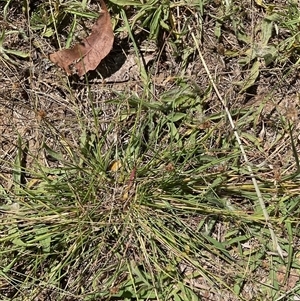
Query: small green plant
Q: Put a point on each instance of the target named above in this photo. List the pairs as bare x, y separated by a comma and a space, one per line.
153, 15
143, 189
7, 54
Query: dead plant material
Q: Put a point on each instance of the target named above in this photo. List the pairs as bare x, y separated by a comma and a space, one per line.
88, 54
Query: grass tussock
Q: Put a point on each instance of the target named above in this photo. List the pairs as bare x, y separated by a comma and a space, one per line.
171, 172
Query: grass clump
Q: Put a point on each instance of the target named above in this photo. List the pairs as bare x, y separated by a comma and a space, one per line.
139, 188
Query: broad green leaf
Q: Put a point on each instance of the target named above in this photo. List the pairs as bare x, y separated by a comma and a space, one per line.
176, 116
55, 155
173, 130
44, 238
154, 25
49, 32
269, 53
15, 236
217, 30
17, 53
266, 30
254, 73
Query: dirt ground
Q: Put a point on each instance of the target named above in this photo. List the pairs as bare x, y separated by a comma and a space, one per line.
33, 90
39, 104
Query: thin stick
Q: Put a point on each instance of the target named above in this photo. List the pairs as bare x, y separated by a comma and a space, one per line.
276, 246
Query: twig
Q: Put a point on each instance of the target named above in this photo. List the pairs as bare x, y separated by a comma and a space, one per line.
276, 245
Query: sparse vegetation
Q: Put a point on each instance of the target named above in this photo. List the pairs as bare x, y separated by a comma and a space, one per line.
131, 183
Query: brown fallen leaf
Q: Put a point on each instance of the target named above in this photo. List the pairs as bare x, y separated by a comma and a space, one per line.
88, 54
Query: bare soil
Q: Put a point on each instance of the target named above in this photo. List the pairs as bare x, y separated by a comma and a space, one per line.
40, 105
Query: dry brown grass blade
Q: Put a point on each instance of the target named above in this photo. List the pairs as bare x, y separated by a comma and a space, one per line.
88, 54
276, 245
